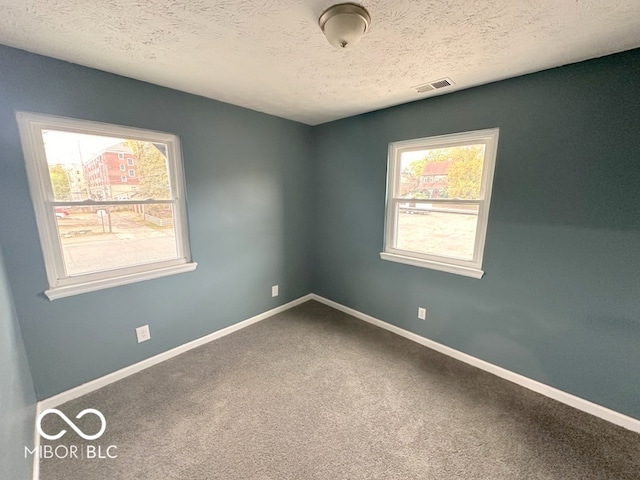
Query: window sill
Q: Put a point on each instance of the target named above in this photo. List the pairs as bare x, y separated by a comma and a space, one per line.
443, 267
70, 290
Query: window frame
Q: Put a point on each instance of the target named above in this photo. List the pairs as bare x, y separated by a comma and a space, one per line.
470, 268
62, 285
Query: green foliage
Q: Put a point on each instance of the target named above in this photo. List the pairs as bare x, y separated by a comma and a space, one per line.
465, 173
152, 170
417, 195
60, 182
442, 154
415, 168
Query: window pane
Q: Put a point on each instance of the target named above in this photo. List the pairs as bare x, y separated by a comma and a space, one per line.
443, 229
452, 172
89, 167
106, 237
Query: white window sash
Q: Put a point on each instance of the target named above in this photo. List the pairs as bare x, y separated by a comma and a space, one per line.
473, 267
60, 284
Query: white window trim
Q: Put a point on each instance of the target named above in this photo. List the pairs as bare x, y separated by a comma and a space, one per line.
60, 284
470, 268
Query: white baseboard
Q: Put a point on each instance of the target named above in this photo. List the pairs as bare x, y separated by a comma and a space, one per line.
607, 414
89, 387
546, 390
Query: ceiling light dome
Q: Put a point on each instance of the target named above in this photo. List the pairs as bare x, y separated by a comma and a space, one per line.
344, 24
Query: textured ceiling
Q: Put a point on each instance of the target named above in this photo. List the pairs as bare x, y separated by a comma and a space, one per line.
270, 55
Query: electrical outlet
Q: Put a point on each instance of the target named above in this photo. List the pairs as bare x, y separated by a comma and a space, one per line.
274, 291
143, 334
422, 313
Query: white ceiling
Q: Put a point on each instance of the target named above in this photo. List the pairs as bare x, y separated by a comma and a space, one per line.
270, 55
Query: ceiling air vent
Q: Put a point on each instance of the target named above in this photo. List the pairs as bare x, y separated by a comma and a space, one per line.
427, 87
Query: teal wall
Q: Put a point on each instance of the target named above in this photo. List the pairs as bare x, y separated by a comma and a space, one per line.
248, 188
17, 399
272, 201
560, 301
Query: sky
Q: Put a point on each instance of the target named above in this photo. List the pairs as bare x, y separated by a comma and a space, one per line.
407, 158
415, 155
66, 147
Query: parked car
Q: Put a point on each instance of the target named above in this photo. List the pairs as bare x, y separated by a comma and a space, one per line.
62, 212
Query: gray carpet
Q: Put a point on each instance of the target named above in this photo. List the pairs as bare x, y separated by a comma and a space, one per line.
313, 393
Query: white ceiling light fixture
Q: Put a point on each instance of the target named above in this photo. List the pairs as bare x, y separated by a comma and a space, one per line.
344, 24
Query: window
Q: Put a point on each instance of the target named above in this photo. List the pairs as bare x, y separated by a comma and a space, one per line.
97, 232
130, 161
132, 173
441, 223
123, 168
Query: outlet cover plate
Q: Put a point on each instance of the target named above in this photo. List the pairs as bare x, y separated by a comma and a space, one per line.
422, 313
143, 334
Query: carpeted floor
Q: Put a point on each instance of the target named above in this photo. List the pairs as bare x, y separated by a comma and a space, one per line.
313, 393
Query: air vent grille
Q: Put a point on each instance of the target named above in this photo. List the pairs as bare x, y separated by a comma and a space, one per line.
435, 85
441, 83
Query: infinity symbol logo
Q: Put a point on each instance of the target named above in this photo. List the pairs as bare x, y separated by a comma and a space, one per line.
71, 424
